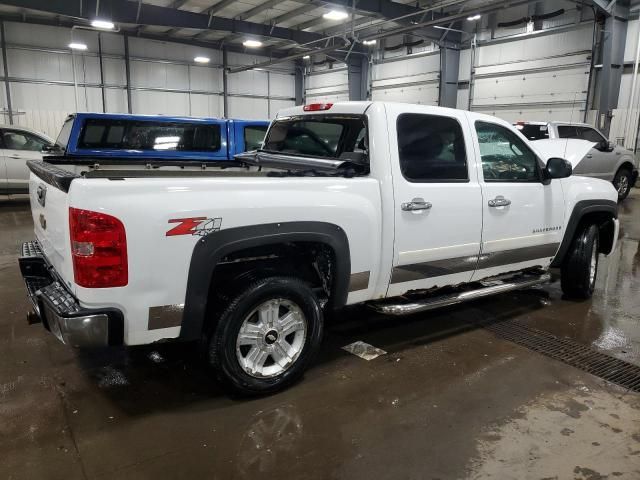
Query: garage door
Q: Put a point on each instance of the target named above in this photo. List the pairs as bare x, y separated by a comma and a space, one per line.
540, 78
412, 80
327, 86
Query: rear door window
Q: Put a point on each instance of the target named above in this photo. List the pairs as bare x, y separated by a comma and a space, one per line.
149, 135
431, 148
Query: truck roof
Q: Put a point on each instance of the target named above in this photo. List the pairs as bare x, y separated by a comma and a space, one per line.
359, 108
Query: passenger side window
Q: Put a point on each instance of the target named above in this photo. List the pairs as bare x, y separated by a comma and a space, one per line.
253, 137
14, 140
431, 148
590, 134
505, 157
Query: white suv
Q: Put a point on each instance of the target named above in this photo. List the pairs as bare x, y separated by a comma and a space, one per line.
607, 161
17, 146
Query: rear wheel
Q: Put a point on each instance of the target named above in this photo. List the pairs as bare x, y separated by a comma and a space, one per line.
580, 266
622, 182
267, 336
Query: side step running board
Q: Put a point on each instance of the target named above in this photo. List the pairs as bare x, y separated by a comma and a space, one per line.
487, 288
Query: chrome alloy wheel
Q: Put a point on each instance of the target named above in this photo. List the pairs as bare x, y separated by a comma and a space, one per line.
623, 185
593, 264
271, 338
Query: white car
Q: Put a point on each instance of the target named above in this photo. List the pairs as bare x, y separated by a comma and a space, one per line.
402, 207
17, 146
605, 160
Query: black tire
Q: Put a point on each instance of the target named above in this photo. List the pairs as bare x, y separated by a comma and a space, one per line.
577, 280
622, 181
222, 353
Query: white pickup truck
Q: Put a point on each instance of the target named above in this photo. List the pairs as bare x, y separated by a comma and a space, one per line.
402, 207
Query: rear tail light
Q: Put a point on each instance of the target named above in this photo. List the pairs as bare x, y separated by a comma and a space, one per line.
98, 249
317, 107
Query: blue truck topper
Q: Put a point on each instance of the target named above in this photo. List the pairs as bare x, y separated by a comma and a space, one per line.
229, 139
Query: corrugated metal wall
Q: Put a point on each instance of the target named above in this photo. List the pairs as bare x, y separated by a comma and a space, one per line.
164, 78
324, 84
542, 77
411, 79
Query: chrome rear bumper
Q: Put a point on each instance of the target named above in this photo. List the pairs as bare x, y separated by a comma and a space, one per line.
58, 309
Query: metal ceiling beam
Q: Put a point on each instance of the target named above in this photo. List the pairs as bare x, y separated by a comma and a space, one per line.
213, 9
214, 45
258, 10
123, 11
294, 13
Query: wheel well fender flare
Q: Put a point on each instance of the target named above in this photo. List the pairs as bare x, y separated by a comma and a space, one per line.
582, 210
212, 248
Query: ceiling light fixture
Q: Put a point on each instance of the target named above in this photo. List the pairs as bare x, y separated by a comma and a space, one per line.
103, 24
369, 42
252, 43
335, 15
306, 57
77, 46
475, 17
201, 59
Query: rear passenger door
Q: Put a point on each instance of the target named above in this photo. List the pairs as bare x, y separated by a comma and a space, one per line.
438, 203
17, 148
523, 216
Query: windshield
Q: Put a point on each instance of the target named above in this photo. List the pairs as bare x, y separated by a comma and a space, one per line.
324, 136
65, 132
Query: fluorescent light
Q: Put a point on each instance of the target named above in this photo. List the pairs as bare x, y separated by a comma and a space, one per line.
369, 42
335, 15
306, 57
103, 24
475, 17
77, 46
201, 59
252, 43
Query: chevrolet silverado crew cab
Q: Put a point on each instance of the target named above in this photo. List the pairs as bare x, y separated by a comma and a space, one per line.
401, 207
605, 160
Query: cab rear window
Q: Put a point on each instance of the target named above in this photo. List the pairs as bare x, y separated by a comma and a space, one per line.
318, 136
149, 135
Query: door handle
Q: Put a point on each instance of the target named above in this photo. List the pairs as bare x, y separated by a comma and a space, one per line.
499, 201
15, 156
589, 155
415, 205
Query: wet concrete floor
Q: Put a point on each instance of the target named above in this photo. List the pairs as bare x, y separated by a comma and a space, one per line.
448, 401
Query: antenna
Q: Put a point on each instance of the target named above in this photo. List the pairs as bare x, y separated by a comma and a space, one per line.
573, 105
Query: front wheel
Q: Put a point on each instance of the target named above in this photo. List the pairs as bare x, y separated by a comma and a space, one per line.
580, 266
622, 182
267, 335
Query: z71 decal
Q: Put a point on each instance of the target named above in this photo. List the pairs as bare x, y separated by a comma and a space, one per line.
199, 226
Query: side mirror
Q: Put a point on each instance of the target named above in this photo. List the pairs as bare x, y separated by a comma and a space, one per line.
605, 146
557, 168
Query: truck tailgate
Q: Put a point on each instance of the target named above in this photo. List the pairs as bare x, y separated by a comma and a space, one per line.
48, 194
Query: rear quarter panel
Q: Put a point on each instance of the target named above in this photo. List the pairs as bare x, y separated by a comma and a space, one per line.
159, 264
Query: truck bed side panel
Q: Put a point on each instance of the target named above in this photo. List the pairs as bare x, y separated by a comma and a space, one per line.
159, 249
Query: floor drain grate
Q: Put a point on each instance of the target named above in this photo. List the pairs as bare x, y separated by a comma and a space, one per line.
572, 353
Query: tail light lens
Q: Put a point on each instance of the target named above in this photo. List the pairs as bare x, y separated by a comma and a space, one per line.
99, 249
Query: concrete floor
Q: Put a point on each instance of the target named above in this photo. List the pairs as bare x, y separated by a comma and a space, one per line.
448, 401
